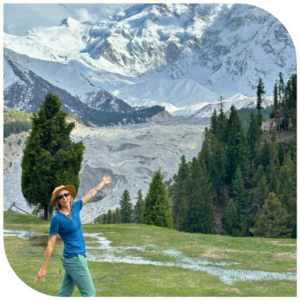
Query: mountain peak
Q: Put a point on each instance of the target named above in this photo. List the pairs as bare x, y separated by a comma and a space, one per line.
69, 22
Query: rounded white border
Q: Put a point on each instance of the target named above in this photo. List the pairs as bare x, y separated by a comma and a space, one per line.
253, 3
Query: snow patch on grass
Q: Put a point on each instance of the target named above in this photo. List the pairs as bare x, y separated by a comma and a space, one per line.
121, 254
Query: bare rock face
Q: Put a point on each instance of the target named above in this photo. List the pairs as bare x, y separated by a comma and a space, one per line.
129, 154
269, 124
13, 150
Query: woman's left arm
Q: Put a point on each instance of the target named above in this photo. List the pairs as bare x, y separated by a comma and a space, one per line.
92, 193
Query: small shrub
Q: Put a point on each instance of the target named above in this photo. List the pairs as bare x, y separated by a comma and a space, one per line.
19, 141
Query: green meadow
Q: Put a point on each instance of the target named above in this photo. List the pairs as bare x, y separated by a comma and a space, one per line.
160, 272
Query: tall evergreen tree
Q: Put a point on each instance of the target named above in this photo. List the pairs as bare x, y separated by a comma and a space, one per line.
231, 222
236, 146
214, 123
286, 188
126, 208
254, 134
275, 95
157, 209
205, 153
118, 216
265, 156
104, 219
272, 222
50, 157
138, 208
260, 91
218, 168
259, 174
200, 209
261, 191
179, 190
239, 192
109, 217
222, 123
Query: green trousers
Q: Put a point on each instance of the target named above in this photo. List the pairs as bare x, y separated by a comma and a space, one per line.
76, 273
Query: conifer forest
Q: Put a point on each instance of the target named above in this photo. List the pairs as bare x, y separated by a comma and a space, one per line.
248, 177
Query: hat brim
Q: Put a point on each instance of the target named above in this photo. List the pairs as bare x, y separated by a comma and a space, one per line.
69, 188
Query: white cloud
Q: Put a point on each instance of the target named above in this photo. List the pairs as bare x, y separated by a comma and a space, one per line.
82, 15
19, 18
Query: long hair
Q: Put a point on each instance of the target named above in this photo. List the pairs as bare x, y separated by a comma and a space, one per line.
57, 206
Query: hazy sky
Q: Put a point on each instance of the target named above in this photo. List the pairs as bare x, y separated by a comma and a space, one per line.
18, 18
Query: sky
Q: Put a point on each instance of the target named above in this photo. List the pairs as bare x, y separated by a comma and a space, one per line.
19, 18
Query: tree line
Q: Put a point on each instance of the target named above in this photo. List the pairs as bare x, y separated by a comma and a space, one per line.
108, 118
155, 209
255, 179
16, 122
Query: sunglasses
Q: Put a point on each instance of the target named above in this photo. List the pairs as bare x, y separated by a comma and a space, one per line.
61, 196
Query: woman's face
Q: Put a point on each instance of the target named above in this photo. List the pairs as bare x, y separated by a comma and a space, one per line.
65, 201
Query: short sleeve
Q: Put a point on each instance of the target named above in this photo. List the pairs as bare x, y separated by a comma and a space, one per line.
54, 226
77, 205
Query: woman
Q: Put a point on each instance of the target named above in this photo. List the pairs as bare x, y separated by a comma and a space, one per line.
66, 222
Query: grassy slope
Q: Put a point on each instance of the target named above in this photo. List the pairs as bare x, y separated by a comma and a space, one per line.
122, 279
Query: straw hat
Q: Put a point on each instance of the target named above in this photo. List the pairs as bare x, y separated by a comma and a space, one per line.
69, 188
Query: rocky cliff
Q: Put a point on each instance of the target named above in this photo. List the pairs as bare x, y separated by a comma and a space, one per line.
129, 154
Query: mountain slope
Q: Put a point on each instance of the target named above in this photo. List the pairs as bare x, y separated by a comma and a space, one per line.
225, 47
27, 78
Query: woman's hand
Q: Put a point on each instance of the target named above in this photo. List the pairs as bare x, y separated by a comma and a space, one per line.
106, 180
92, 193
41, 273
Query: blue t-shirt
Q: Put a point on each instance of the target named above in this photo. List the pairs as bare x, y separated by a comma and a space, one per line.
70, 232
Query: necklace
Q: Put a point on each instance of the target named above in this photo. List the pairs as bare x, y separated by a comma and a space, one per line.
68, 216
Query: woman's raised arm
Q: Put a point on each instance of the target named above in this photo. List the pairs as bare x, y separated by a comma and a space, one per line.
92, 193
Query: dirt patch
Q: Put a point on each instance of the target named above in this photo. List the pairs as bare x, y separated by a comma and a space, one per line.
236, 290
292, 270
210, 253
277, 243
285, 256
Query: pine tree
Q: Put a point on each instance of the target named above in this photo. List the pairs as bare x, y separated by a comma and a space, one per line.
218, 168
259, 174
286, 188
214, 123
157, 209
138, 208
280, 154
200, 209
205, 153
50, 157
260, 91
265, 156
232, 219
109, 217
236, 146
239, 192
118, 215
114, 217
222, 123
261, 191
272, 221
104, 219
179, 190
281, 91
126, 208
275, 95
254, 134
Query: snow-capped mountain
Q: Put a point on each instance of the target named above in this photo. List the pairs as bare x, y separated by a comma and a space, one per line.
203, 109
182, 55
27, 80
